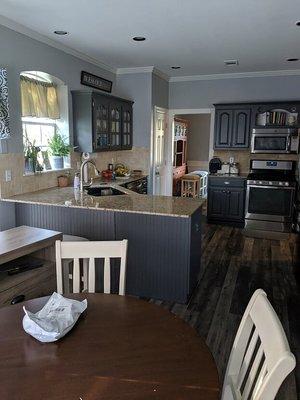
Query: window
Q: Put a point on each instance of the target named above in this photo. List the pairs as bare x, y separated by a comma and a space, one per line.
42, 123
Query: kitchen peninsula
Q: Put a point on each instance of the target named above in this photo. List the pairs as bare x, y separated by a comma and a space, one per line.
164, 233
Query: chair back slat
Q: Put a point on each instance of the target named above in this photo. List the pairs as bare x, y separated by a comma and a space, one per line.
247, 359
92, 276
106, 275
76, 276
83, 275
253, 373
260, 358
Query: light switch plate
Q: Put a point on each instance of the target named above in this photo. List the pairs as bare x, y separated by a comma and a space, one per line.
7, 175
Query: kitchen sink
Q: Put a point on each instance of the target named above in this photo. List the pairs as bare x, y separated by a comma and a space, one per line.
103, 191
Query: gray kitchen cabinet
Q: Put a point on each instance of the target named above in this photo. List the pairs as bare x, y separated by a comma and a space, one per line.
232, 127
226, 200
101, 122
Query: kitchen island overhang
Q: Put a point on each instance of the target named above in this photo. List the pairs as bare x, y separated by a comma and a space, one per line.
164, 234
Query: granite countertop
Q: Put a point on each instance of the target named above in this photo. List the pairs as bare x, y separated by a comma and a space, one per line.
129, 202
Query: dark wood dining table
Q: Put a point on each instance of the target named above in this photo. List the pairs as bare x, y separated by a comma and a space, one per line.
120, 348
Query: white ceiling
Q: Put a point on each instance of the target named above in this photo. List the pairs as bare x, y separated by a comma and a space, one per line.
198, 35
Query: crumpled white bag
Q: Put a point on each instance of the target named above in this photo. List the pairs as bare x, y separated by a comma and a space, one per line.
55, 319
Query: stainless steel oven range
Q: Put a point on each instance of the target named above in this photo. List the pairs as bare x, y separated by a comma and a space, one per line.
270, 195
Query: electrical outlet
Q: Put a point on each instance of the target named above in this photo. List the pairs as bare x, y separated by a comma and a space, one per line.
7, 175
231, 160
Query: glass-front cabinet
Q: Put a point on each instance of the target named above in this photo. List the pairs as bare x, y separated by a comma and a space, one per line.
101, 122
127, 126
115, 111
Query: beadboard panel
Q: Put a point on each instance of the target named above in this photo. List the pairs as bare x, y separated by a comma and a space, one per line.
91, 224
163, 252
158, 255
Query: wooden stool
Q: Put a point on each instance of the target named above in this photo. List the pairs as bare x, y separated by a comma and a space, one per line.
190, 186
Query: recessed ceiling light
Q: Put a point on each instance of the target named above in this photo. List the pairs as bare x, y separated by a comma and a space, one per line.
138, 38
292, 59
61, 33
297, 23
231, 62
176, 67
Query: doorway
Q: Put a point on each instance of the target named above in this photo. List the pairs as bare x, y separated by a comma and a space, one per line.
190, 144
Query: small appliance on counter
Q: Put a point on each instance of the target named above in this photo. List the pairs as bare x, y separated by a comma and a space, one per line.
225, 168
215, 165
234, 168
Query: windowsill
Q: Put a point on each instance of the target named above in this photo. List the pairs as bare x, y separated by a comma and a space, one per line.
47, 171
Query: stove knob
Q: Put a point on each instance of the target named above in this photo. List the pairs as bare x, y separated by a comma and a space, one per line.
280, 183
270, 183
260, 182
254, 182
286, 184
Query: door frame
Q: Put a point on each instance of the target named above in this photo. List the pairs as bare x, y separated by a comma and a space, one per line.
170, 139
152, 145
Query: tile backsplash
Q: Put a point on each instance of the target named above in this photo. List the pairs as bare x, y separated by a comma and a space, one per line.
137, 158
243, 157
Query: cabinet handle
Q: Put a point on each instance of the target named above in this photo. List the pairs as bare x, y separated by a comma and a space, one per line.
226, 183
228, 192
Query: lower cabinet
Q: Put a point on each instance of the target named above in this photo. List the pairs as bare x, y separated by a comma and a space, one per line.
226, 200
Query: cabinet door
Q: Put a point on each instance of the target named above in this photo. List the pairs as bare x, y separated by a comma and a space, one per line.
100, 123
235, 204
115, 112
241, 128
223, 128
217, 199
127, 126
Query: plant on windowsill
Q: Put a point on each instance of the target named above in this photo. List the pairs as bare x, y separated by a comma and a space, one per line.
31, 152
58, 149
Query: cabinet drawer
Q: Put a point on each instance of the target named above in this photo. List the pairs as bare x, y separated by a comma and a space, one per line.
226, 182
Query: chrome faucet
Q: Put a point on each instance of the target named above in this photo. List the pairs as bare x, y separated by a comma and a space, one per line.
87, 184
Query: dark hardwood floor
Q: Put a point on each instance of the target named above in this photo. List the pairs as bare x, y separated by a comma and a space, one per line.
233, 267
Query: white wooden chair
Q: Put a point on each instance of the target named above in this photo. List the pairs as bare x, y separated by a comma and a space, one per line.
91, 251
260, 359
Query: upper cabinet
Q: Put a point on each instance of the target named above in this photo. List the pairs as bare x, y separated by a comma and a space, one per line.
101, 122
232, 128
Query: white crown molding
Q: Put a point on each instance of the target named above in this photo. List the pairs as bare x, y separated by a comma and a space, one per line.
161, 74
141, 70
134, 70
257, 74
8, 23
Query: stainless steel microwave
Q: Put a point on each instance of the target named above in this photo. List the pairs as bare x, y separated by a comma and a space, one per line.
271, 140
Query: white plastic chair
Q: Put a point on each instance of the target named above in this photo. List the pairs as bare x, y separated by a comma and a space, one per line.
91, 251
260, 358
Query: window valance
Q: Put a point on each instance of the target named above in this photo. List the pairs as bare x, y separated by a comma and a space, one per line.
39, 99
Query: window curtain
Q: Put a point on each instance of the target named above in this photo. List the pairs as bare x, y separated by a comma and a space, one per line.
4, 108
39, 99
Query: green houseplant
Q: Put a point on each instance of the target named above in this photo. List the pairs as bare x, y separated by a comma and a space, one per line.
31, 156
58, 149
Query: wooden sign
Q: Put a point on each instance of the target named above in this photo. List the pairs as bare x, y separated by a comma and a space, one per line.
95, 81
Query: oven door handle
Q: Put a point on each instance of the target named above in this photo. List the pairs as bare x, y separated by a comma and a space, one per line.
288, 143
272, 187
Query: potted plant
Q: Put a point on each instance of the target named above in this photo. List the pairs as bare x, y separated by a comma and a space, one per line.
31, 156
58, 150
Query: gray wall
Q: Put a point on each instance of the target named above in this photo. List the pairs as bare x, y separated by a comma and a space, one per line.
138, 87
20, 53
198, 136
203, 94
160, 92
